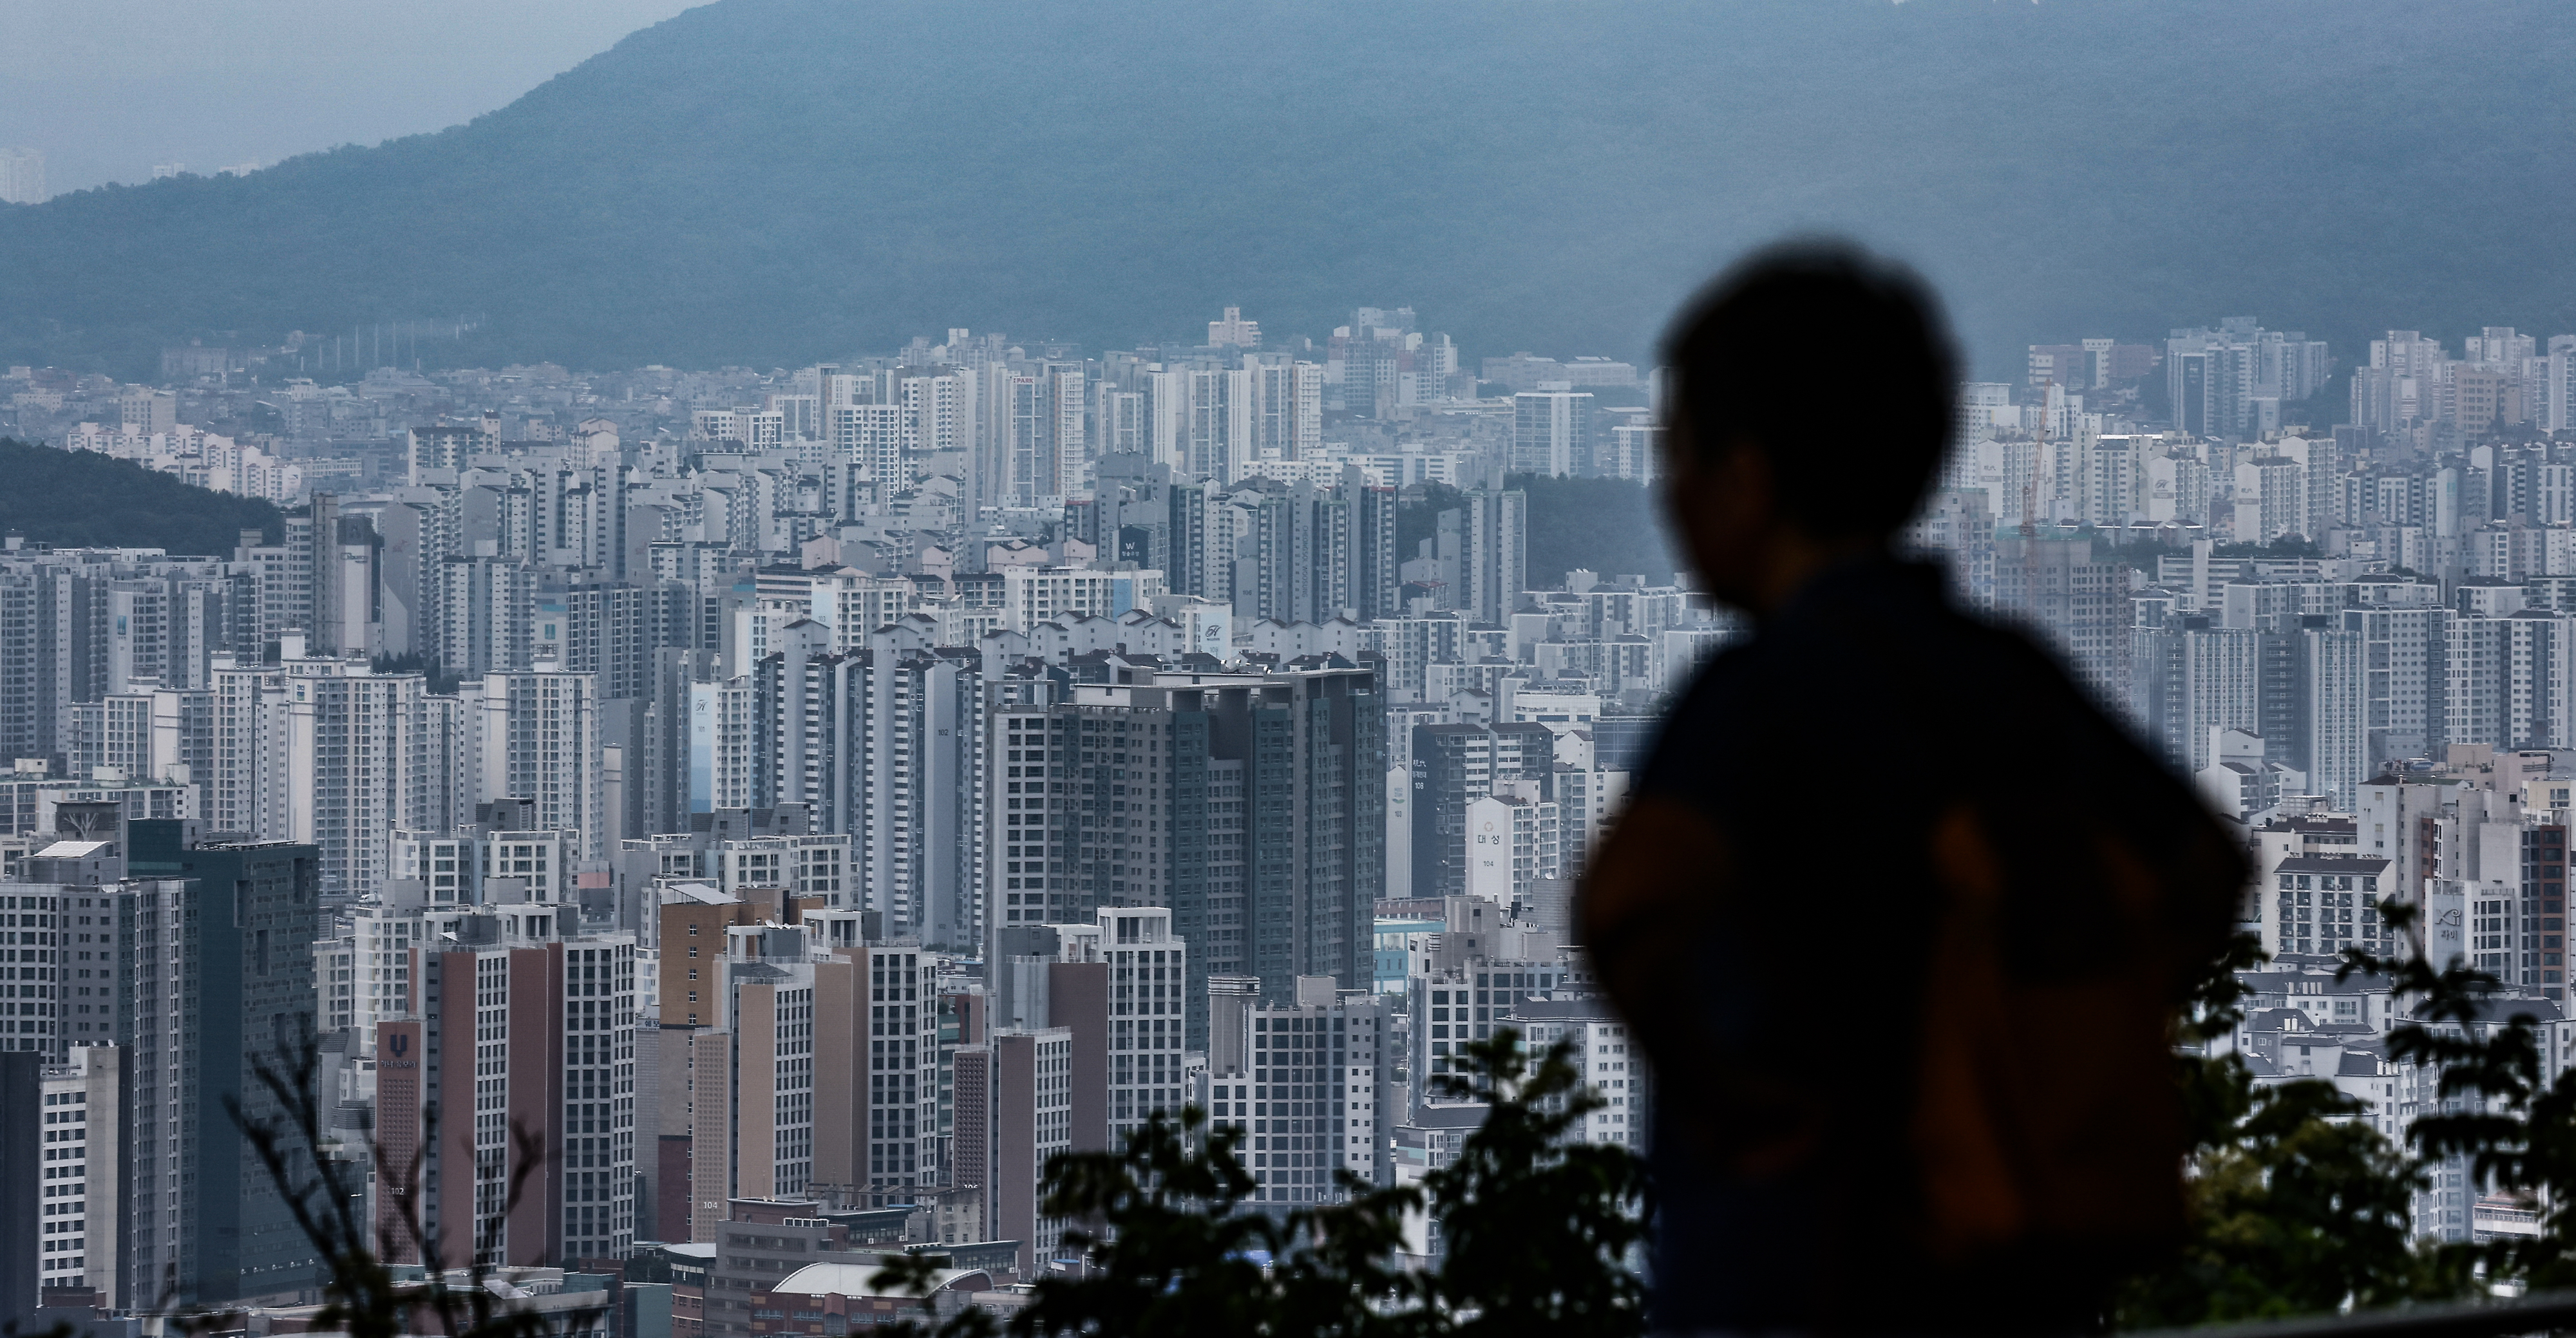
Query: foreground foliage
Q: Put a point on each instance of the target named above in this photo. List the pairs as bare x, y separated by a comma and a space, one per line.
1541, 1235
2299, 1207
362, 1295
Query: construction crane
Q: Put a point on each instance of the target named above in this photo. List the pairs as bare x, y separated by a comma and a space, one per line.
2030, 504
2030, 481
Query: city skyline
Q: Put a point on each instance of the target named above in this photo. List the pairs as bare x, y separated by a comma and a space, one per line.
817, 797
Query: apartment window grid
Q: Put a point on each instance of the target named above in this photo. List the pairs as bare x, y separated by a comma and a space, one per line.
793, 1076
599, 1101
2544, 911
63, 1215
903, 1026
1147, 987
491, 1105
1458, 1010
93, 1005
1299, 1054
1033, 752
31, 1011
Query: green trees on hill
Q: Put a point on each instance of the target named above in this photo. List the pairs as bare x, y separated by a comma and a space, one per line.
1538, 179
76, 499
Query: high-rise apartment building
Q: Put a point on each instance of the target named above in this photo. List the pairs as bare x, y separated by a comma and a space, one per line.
22, 176
2408, 679
521, 1073
881, 744
1234, 331
535, 736
1288, 421
23, 1138
1515, 842
1117, 984
321, 750
1145, 1014
1315, 1066
1250, 804
2512, 680
876, 1060
2191, 678
1454, 766
215, 948
2217, 379
80, 1197
769, 989
2073, 603
1493, 552
1027, 1092
1218, 410
1606, 1052
1552, 432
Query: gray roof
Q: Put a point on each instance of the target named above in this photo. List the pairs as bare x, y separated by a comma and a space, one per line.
2312, 983
2332, 864
1448, 1117
1563, 1010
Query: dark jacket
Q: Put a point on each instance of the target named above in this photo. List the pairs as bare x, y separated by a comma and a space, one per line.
1914, 1073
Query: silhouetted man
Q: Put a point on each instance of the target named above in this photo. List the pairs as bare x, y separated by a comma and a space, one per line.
1898, 915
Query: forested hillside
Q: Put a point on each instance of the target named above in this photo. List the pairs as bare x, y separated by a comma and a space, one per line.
75, 499
770, 181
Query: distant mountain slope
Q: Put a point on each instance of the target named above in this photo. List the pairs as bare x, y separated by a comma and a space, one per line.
765, 181
82, 499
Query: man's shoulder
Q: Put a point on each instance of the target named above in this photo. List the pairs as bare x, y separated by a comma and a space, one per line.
1897, 678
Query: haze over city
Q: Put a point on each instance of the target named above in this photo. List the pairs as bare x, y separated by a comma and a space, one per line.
731, 671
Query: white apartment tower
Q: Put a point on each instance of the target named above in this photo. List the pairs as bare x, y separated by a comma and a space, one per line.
322, 751
536, 737
1148, 975
1552, 432
1216, 425
1514, 839
1289, 424
78, 1176
22, 176
1613, 1065
883, 743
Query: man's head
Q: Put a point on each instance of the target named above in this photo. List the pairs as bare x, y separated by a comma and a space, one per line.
1813, 397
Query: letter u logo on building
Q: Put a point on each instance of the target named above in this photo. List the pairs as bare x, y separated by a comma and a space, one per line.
399, 1043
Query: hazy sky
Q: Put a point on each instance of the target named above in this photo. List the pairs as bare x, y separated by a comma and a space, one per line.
107, 88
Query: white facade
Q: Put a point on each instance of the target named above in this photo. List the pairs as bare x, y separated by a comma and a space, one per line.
1613, 1066
720, 754
83, 1103
1148, 971
1513, 841
536, 737
1032, 595
1552, 432
322, 751
2322, 904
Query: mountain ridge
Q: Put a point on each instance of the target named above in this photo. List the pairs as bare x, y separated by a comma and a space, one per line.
120, 504
775, 181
